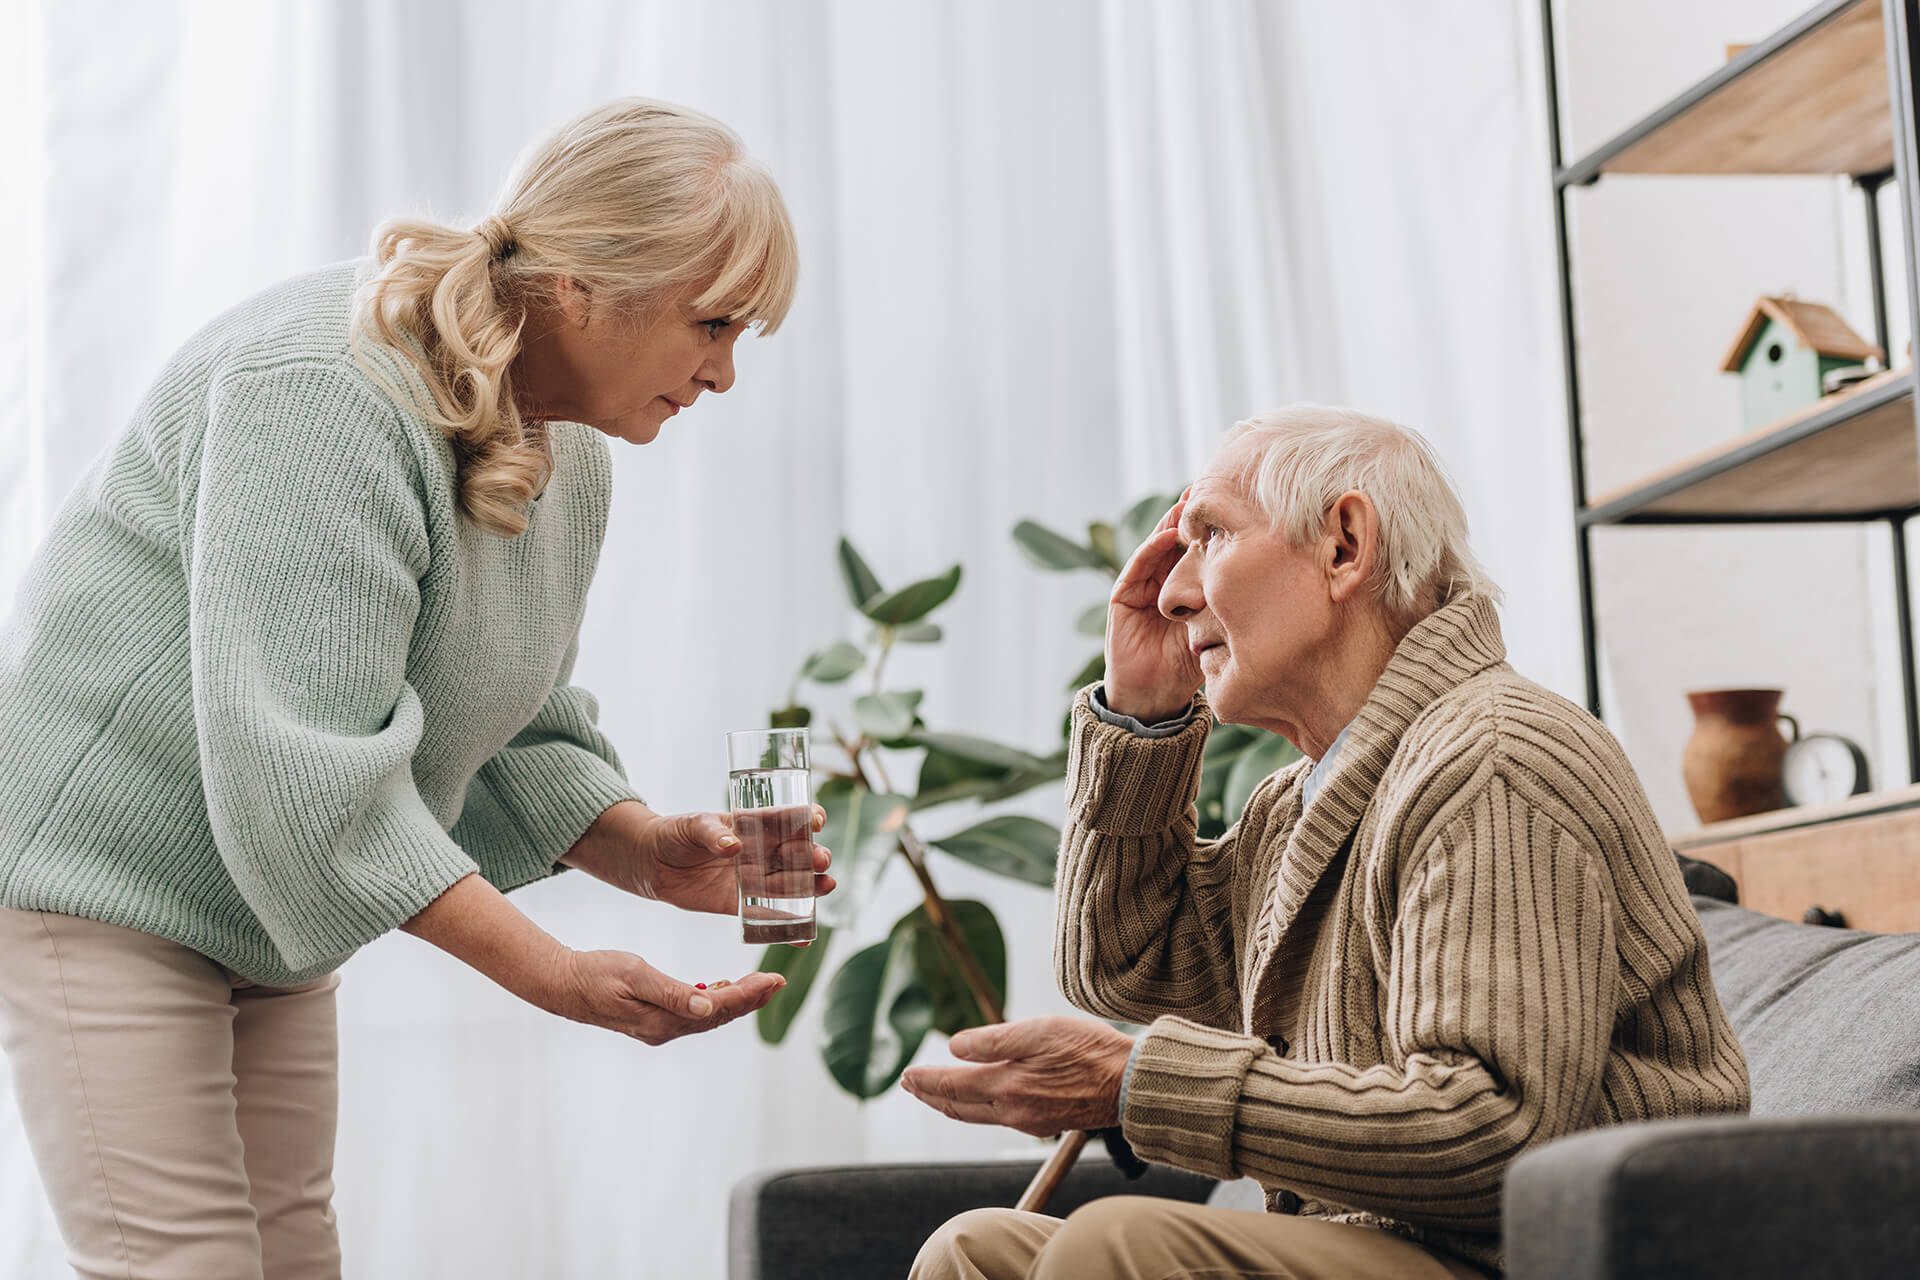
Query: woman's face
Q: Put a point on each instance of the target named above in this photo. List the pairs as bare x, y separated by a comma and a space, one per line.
617, 373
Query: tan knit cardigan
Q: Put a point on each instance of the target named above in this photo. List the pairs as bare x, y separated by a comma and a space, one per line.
1475, 940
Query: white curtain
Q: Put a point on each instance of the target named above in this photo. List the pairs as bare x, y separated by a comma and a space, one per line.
1051, 250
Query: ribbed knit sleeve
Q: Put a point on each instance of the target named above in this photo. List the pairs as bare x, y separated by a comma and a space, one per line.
1498, 1007
308, 541
1143, 907
532, 801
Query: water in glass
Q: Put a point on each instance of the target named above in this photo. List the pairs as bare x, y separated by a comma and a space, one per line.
773, 816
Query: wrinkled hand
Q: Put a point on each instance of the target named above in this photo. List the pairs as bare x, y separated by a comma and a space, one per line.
1151, 674
624, 993
1041, 1076
687, 859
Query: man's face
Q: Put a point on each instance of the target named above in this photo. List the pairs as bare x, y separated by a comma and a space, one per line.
1257, 608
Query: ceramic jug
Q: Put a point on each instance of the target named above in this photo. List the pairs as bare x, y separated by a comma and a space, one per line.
1732, 762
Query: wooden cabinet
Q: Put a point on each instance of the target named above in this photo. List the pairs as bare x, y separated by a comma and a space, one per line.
1860, 858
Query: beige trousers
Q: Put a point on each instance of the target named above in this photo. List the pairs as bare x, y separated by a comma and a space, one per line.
182, 1118
1147, 1238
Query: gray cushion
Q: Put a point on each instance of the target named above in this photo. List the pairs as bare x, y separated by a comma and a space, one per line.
1829, 1018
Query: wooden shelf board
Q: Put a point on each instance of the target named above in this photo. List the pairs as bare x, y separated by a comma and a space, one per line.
1811, 103
1865, 463
1759, 824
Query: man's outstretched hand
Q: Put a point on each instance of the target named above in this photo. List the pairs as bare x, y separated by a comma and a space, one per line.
1041, 1076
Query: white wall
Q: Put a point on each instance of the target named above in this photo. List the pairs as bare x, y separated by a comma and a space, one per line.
1665, 269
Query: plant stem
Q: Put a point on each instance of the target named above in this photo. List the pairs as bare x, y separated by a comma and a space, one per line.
880, 660
949, 929
945, 927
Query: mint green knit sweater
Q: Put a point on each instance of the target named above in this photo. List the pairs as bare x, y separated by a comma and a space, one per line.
265, 691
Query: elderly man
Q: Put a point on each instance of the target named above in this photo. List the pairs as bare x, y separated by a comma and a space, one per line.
1452, 933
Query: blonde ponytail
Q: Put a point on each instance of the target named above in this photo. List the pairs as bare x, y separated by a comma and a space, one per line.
637, 200
434, 302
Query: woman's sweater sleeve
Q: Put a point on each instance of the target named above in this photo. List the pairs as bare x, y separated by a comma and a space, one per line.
1501, 987
1144, 922
306, 541
542, 791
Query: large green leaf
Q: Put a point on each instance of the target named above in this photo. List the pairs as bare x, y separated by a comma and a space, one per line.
801, 965
1022, 848
1250, 768
1224, 746
862, 586
945, 778
877, 1013
887, 715
1096, 669
1050, 550
1105, 544
954, 1006
1139, 521
959, 767
834, 664
979, 750
1052, 769
913, 601
1093, 622
862, 828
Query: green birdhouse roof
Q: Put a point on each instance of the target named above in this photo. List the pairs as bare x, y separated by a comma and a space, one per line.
1811, 325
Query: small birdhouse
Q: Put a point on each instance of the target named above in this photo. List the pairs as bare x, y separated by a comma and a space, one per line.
1784, 351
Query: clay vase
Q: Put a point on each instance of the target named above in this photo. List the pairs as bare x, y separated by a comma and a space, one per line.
1732, 762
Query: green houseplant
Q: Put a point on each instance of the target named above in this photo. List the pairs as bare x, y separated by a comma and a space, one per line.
943, 965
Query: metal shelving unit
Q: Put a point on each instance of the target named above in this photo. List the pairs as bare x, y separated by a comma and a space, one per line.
1830, 93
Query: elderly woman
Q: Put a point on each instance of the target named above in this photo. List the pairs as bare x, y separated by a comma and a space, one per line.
292, 670
1453, 932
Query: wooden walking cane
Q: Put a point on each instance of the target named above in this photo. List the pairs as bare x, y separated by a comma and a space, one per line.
1053, 1172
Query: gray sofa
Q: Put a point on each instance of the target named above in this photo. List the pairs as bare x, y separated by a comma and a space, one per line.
1822, 1180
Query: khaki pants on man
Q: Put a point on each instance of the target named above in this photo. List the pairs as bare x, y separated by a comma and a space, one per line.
182, 1118
1147, 1238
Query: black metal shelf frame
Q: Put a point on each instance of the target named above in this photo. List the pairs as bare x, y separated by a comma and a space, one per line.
1902, 24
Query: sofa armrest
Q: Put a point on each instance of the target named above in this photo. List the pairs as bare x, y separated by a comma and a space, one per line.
1725, 1197
851, 1222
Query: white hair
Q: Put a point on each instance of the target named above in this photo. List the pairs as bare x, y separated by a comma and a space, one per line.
1299, 461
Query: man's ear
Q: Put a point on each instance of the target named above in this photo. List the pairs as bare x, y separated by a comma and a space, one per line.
1351, 539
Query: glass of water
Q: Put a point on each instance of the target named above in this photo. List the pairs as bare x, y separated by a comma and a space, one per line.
770, 790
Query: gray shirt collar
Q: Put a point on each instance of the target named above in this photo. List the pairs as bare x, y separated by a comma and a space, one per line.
1323, 768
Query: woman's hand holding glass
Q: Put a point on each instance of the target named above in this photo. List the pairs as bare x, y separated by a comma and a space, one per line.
685, 859
690, 859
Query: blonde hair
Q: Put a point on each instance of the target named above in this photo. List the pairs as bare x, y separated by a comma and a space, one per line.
639, 202
1303, 457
